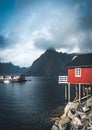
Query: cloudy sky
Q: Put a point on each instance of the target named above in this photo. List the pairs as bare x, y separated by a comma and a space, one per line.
29, 27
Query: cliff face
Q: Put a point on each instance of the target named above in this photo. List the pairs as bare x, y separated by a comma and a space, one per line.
10, 69
51, 63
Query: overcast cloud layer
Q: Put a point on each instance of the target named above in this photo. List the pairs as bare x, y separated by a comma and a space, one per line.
28, 28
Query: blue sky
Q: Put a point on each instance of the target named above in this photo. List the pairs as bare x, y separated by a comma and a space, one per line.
30, 27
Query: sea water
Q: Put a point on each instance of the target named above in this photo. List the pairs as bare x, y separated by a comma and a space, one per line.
28, 105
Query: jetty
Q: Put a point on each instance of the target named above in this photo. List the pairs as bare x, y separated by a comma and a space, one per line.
12, 78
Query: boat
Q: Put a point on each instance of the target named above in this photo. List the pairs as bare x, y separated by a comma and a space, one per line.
12, 78
6, 81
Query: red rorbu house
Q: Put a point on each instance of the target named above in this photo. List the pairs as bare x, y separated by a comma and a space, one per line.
80, 74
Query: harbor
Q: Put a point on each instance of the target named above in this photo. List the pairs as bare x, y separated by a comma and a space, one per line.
12, 78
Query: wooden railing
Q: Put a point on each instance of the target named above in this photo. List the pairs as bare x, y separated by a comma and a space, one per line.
63, 79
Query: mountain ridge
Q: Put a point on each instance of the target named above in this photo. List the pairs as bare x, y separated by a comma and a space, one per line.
50, 63
10, 69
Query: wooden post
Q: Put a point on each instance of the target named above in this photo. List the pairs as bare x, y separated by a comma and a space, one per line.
65, 93
83, 90
87, 91
79, 93
68, 92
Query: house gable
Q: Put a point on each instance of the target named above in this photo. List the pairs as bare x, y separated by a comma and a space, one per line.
80, 69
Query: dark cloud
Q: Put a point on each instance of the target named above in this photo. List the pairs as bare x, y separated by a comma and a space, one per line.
69, 22
86, 21
30, 25
63, 26
22, 4
43, 43
9, 41
71, 30
86, 44
85, 26
4, 42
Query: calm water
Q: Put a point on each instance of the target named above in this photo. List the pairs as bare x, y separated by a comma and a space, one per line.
27, 106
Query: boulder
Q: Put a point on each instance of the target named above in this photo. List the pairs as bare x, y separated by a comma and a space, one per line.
54, 127
82, 115
62, 126
70, 114
85, 108
71, 106
77, 122
65, 120
89, 102
76, 117
57, 121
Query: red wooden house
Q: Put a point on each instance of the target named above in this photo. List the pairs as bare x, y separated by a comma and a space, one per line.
80, 71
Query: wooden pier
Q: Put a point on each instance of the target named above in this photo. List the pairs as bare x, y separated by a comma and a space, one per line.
83, 91
64, 80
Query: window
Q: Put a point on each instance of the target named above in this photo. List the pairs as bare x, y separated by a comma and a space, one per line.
78, 72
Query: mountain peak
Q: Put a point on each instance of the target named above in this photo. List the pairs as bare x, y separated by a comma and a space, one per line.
50, 63
50, 51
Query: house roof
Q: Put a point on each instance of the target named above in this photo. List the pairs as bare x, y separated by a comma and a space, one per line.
83, 60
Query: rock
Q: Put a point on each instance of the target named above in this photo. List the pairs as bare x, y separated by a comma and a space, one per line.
81, 114
74, 106
76, 117
90, 114
65, 120
62, 126
57, 122
54, 127
80, 107
77, 122
67, 108
89, 102
71, 106
70, 115
85, 109
90, 118
63, 123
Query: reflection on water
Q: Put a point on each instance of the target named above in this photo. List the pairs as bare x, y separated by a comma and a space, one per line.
27, 106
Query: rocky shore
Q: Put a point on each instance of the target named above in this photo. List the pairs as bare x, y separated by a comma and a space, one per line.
76, 116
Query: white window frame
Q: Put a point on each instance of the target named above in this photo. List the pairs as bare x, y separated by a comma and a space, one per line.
77, 72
